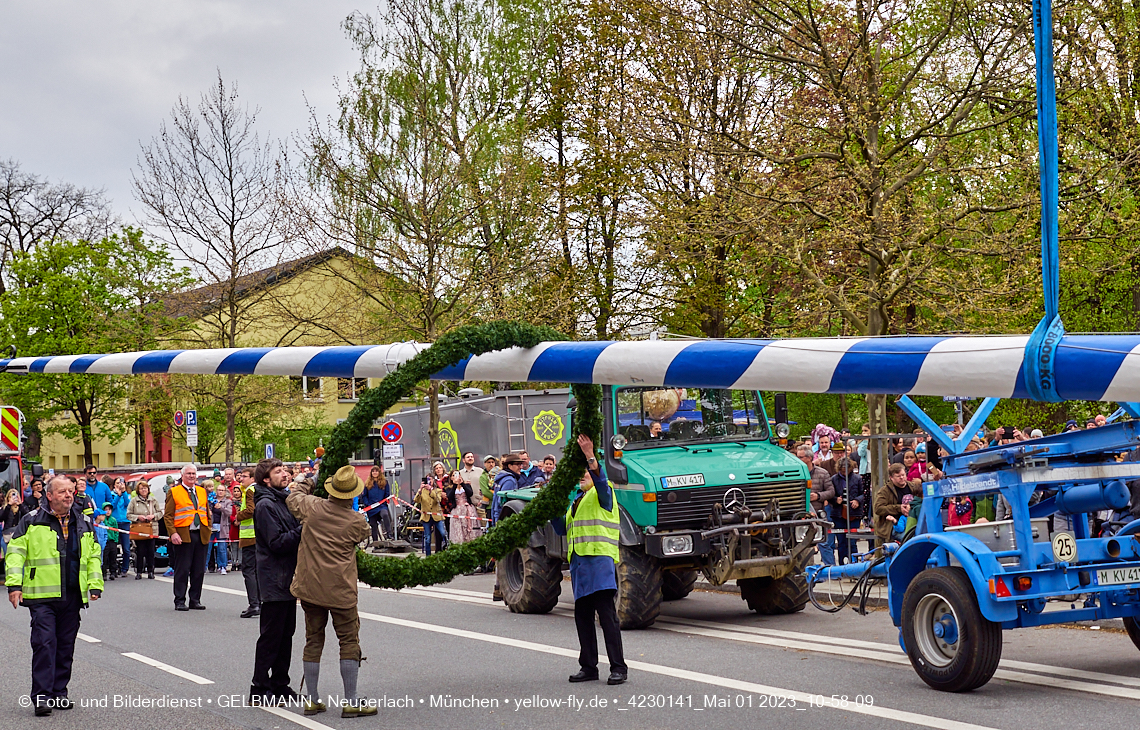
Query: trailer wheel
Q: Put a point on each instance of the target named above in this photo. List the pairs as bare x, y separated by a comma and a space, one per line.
950, 644
529, 579
1132, 626
773, 597
675, 585
638, 596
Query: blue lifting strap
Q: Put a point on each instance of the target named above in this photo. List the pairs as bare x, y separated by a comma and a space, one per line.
1041, 350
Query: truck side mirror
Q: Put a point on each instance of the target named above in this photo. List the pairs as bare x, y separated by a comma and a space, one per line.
571, 404
780, 407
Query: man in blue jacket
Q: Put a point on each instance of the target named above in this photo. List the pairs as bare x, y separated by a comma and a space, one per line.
530, 473
97, 489
506, 480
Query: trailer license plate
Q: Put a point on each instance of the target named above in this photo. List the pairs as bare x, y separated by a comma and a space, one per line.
687, 480
1117, 576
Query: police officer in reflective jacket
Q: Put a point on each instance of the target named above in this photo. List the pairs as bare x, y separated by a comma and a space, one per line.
54, 568
592, 531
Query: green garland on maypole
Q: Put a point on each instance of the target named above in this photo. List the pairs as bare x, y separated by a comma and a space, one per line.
512, 532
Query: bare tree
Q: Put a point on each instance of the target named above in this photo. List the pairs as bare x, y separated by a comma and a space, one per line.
33, 210
210, 187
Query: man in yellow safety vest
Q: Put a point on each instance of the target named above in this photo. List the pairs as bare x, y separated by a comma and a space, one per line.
54, 568
247, 543
593, 532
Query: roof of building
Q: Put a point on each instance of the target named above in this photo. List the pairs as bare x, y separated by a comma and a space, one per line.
196, 302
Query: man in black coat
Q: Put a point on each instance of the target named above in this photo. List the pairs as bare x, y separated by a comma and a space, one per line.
278, 535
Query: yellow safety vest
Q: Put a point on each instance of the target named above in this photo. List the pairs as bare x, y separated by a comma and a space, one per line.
34, 562
593, 530
245, 527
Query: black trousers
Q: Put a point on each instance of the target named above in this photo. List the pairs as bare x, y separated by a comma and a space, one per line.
144, 556
189, 565
374, 521
601, 603
249, 573
54, 627
274, 647
111, 558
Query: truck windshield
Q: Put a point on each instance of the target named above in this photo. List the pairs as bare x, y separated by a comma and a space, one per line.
655, 416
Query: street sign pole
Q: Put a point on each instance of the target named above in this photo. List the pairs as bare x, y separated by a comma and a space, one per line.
192, 432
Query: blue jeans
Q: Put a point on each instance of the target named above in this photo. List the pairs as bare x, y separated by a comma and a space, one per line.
827, 547
221, 554
429, 527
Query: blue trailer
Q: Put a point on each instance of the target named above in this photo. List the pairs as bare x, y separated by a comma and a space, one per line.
951, 591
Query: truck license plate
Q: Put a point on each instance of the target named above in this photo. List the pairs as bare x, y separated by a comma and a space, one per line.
687, 480
1117, 576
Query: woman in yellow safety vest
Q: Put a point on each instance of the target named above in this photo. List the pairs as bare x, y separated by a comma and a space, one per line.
592, 529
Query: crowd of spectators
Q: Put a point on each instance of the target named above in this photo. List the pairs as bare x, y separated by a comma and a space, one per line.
839, 467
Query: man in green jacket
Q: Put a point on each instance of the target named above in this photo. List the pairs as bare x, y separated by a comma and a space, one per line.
54, 568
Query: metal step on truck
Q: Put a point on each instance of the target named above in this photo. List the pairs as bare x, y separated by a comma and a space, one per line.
703, 488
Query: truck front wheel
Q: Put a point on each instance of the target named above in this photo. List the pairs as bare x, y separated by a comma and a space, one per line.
676, 584
530, 580
771, 597
639, 588
951, 645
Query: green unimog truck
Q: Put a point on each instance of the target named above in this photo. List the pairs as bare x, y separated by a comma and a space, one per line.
703, 486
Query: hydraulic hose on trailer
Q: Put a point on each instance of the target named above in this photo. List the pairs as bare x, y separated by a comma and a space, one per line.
862, 587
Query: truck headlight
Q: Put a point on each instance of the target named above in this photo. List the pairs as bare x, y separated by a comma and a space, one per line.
783, 430
677, 545
618, 442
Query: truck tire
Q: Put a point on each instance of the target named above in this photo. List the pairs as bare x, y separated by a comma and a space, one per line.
1132, 626
638, 596
675, 584
530, 580
773, 597
951, 645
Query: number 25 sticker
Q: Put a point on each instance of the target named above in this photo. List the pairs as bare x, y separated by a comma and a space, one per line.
1064, 548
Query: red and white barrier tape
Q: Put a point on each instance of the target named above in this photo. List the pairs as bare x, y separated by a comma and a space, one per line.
408, 504
152, 537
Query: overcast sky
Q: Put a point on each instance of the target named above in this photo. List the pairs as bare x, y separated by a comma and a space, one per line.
84, 82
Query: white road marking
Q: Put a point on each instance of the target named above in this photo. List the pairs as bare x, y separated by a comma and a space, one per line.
877, 711
88, 639
294, 717
896, 649
206, 587
167, 668
1059, 677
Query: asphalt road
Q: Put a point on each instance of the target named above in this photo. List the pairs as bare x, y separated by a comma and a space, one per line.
708, 662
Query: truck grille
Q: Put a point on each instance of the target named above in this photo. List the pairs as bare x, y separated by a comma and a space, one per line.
691, 507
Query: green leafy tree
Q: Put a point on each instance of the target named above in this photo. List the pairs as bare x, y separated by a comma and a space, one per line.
71, 298
426, 176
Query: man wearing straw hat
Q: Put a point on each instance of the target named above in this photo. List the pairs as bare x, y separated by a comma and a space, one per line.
325, 581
